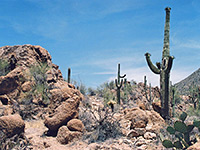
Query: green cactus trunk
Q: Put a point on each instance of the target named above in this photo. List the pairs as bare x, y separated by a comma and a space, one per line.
164, 93
173, 102
163, 68
118, 83
145, 87
69, 75
125, 91
150, 97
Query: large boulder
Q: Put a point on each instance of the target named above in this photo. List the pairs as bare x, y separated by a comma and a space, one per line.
11, 125
137, 117
151, 121
66, 111
75, 125
65, 136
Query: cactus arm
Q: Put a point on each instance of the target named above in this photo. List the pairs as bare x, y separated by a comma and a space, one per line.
158, 65
123, 76
150, 64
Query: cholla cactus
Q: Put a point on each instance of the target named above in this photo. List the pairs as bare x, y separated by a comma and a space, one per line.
163, 68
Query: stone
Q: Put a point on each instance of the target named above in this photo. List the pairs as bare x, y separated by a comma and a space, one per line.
27, 86
156, 106
155, 120
11, 125
94, 146
137, 117
142, 106
196, 146
75, 125
140, 141
65, 112
150, 135
4, 99
66, 136
136, 132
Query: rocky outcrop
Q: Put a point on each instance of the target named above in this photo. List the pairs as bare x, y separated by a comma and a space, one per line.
11, 125
16, 87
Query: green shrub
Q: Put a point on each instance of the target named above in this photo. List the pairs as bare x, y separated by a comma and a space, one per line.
4, 67
91, 91
41, 87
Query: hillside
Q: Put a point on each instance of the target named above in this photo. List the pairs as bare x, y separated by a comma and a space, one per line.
184, 86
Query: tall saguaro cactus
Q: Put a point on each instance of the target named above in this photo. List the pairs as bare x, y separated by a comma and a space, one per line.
145, 87
163, 68
118, 83
69, 75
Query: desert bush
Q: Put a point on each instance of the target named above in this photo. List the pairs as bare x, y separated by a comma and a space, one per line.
41, 87
91, 91
99, 124
4, 67
16, 142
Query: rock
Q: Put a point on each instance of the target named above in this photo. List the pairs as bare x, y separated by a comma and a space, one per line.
140, 141
136, 132
155, 121
137, 117
66, 111
127, 141
10, 82
150, 135
142, 106
18, 82
65, 136
12, 124
142, 147
27, 86
157, 107
75, 125
196, 146
4, 99
94, 146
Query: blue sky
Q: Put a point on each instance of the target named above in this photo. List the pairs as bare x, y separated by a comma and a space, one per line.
93, 36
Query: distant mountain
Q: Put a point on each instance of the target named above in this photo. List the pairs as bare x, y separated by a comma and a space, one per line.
185, 85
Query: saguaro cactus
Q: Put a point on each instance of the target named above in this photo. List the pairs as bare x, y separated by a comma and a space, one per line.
163, 68
173, 101
150, 97
118, 83
125, 91
145, 87
69, 75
